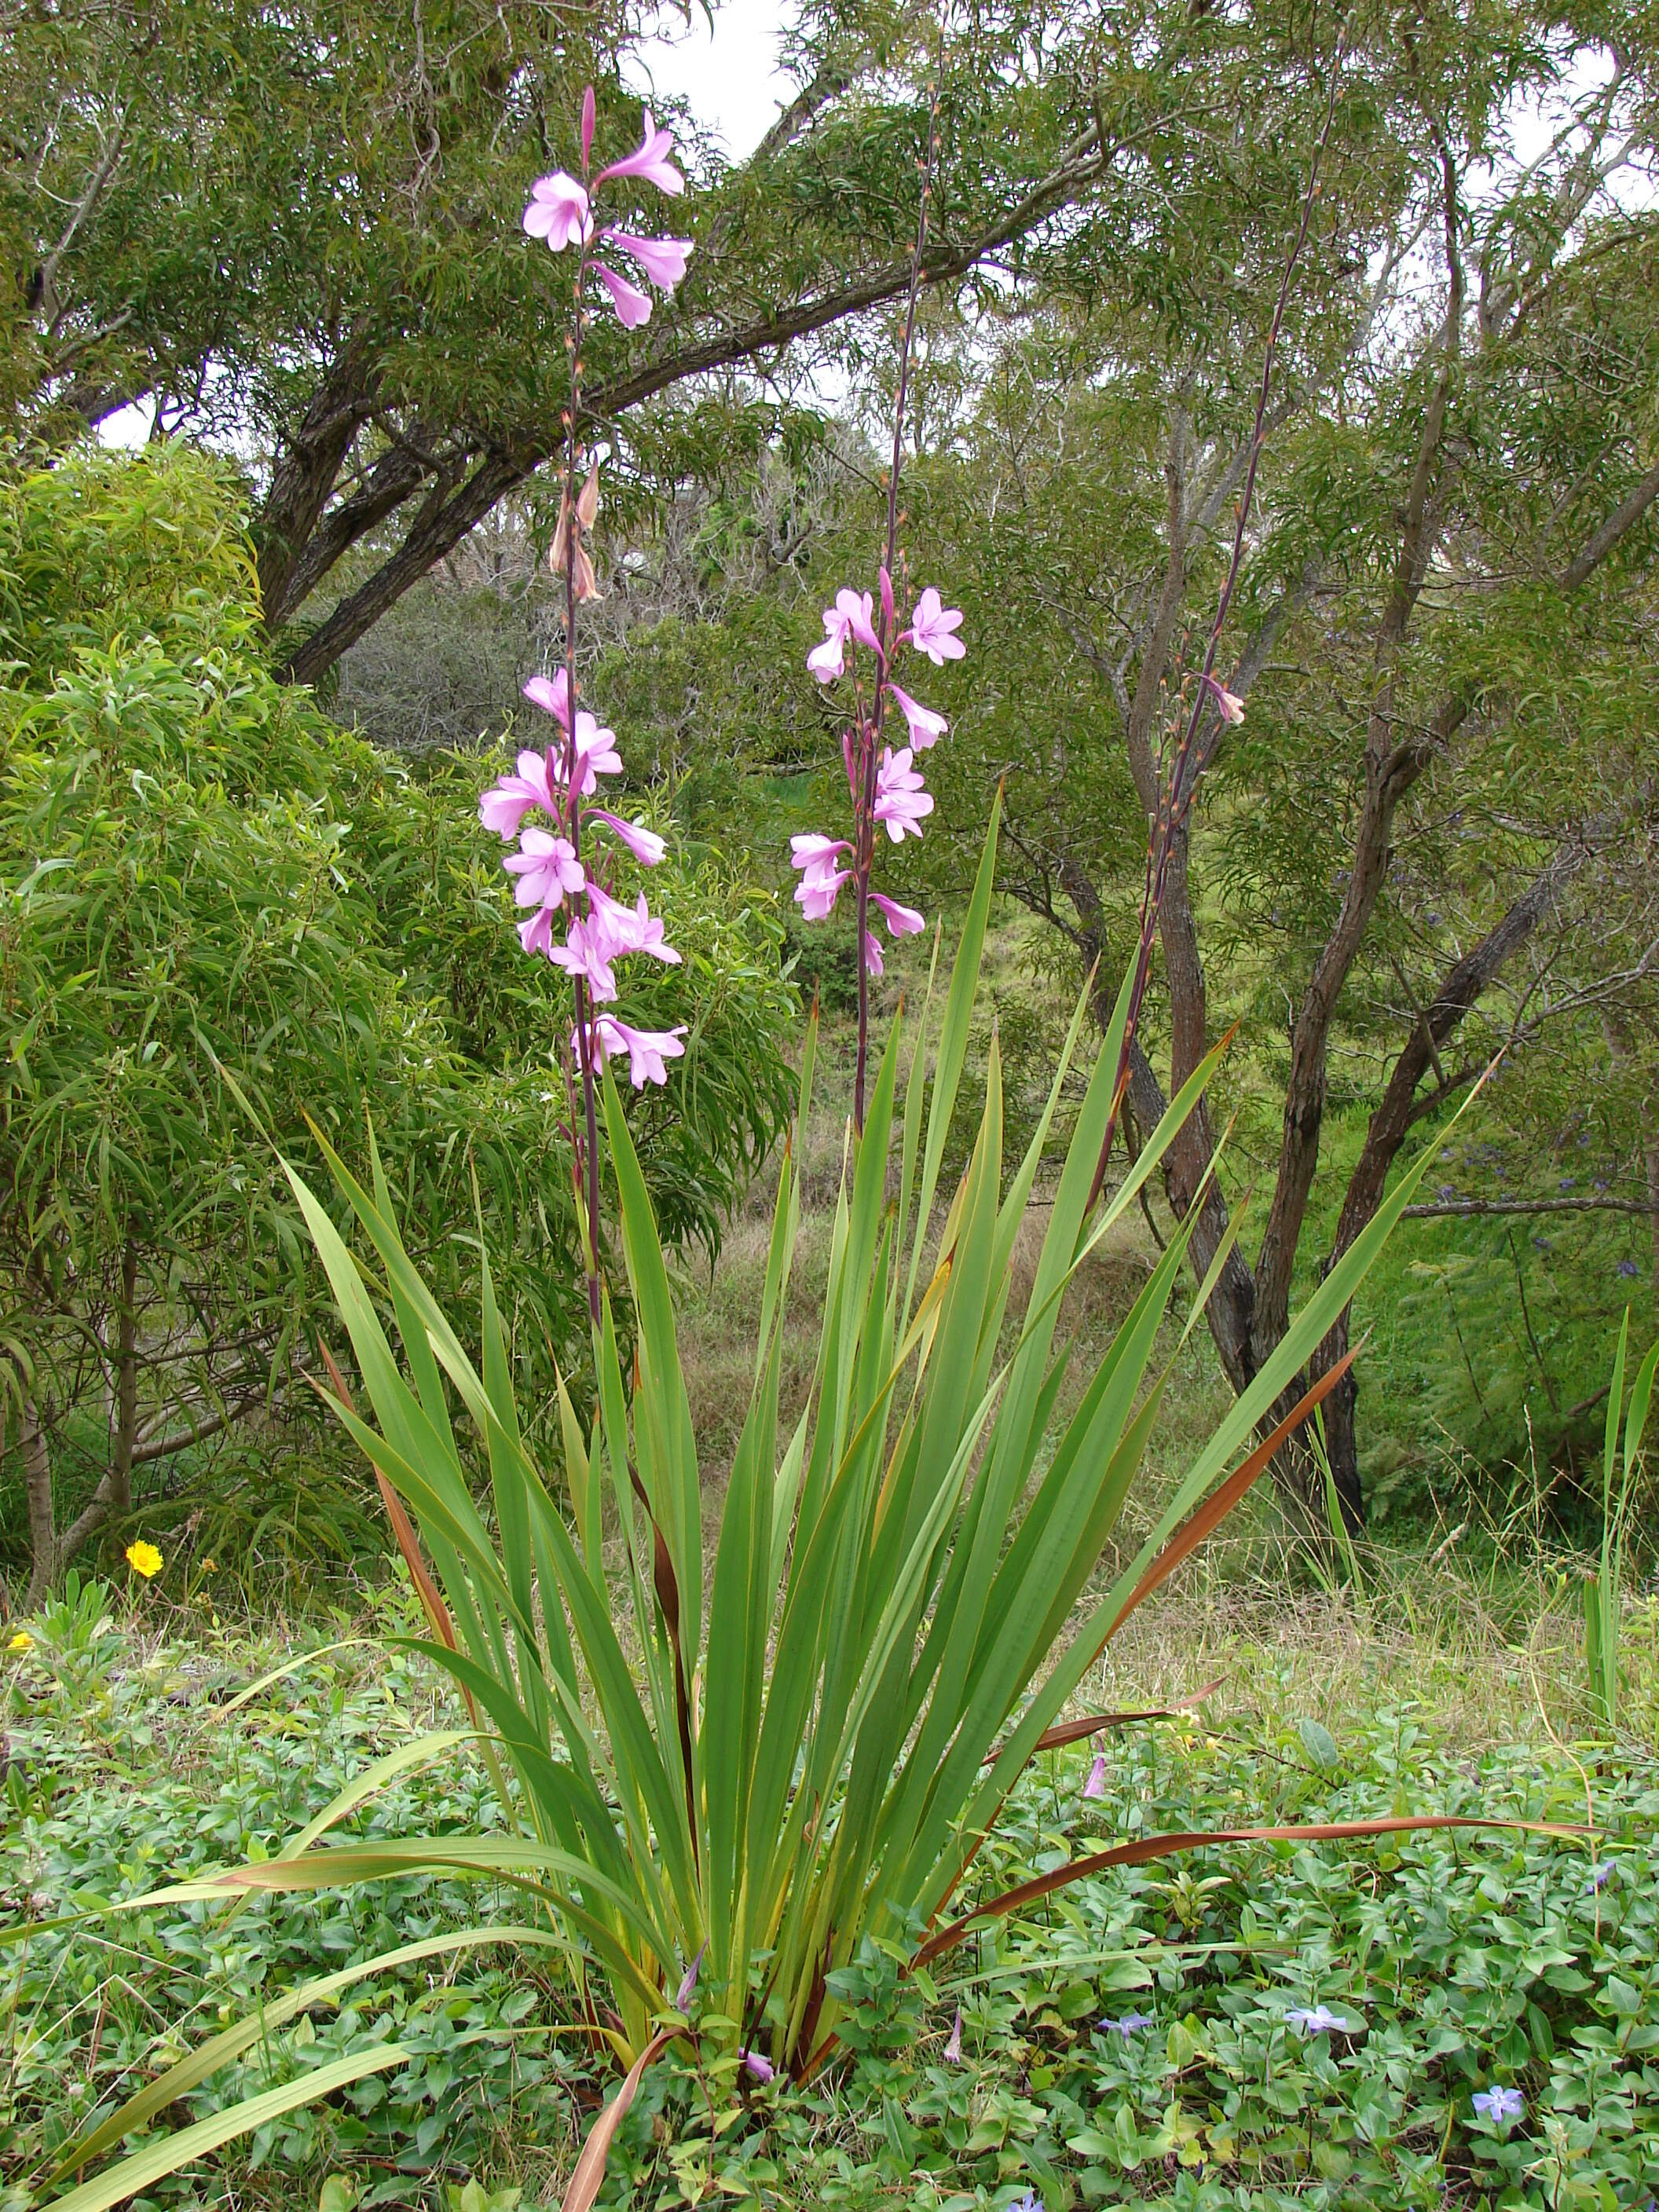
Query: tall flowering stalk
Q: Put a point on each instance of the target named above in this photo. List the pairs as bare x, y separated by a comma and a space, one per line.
574, 920
886, 787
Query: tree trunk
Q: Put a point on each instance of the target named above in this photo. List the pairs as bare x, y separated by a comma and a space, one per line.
1457, 995
43, 1525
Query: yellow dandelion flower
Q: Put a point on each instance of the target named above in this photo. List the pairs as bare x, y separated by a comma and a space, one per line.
21, 1642
143, 1559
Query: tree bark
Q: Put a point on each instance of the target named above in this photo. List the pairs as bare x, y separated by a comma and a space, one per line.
43, 1525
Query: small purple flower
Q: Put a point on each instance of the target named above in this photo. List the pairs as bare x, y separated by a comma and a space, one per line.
688, 1988
1030, 2202
761, 2068
1096, 1786
1498, 2103
1130, 2024
1603, 1872
953, 2048
1317, 2020
1628, 1269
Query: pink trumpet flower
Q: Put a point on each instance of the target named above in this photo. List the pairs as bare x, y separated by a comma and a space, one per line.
558, 211
646, 847
931, 628
536, 935
616, 928
647, 1050
901, 800
504, 805
663, 259
873, 961
925, 727
816, 896
760, 2067
816, 853
547, 869
1096, 1786
650, 160
587, 953
633, 307
552, 695
587, 124
952, 2052
902, 921
1229, 705
848, 617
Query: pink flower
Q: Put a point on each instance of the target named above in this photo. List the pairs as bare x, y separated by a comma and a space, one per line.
546, 868
902, 800
596, 749
873, 956
761, 2068
647, 1050
849, 617
952, 2052
646, 847
817, 853
505, 804
617, 928
633, 307
587, 124
816, 896
536, 935
925, 727
663, 259
649, 159
931, 627
902, 921
1096, 1786
585, 952
557, 212
552, 695
1229, 705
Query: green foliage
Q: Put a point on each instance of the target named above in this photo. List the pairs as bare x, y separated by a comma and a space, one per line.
876, 1621
1604, 1597
1464, 1961
223, 916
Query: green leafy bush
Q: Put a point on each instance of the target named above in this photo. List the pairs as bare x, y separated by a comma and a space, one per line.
220, 915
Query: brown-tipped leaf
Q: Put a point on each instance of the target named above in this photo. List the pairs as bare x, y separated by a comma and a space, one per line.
585, 2181
1145, 1848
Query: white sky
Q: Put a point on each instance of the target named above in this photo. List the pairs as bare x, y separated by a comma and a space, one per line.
730, 78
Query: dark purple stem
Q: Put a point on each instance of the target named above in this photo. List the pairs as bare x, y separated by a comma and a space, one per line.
572, 544
1175, 791
870, 727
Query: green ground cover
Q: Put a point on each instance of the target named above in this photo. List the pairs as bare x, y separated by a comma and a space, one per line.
1456, 1963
